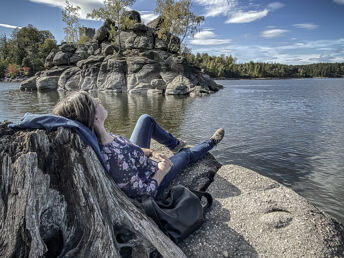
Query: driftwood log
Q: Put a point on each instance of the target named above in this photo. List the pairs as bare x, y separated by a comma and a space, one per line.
57, 201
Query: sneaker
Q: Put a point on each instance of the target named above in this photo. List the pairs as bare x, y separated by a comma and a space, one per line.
181, 145
218, 135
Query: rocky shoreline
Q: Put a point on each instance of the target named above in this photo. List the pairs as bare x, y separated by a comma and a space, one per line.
15, 79
60, 201
140, 62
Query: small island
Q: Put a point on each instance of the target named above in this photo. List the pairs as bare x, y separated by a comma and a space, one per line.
139, 62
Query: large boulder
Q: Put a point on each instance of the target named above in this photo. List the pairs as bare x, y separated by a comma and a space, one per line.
73, 82
49, 61
133, 15
70, 79
112, 75
61, 58
78, 55
54, 71
29, 84
47, 82
89, 75
254, 216
176, 63
154, 24
156, 55
171, 40
67, 47
180, 85
158, 84
140, 74
168, 76
130, 40
92, 47
90, 60
103, 32
107, 48
139, 27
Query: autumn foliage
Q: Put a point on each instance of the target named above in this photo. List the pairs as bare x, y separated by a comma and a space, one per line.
14, 70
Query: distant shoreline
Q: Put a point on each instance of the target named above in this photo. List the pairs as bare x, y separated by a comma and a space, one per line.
273, 78
19, 80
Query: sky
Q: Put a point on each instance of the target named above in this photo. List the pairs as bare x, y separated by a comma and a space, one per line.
288, 32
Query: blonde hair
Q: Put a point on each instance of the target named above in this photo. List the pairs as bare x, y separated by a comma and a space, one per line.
78, 106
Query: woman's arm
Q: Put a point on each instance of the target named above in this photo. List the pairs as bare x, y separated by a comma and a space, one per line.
157, 155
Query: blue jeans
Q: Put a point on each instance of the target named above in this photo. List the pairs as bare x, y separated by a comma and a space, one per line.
147, 128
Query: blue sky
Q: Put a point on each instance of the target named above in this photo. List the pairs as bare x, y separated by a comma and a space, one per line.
290, 32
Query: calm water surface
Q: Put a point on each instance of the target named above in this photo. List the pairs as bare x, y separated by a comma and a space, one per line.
289, 130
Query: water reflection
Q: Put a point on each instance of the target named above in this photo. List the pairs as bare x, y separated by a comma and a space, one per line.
125, 109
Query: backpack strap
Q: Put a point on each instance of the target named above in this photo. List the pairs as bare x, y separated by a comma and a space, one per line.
208, 196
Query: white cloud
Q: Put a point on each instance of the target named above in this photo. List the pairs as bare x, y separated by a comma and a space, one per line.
245, 17
307, 26
275, 5
339, 1
207, 38
236, 13
86, 6
315, 44
273, 33
217, 7
9, 26
147, 16
204, 34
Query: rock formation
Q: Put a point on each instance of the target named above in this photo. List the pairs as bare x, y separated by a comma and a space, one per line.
146, 64
57, 200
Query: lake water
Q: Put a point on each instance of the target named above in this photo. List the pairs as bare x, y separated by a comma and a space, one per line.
289, 130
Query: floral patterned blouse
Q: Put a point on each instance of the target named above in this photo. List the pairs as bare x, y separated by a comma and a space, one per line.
129, 167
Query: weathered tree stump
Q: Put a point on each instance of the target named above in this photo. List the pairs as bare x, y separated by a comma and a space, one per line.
58, 201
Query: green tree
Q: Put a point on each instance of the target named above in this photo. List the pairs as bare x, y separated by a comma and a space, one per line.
70, 15
113, 10
177, 19
45, 48
26, 47
3, 47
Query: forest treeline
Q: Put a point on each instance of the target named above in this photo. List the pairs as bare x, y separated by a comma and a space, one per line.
24, 52
226, 67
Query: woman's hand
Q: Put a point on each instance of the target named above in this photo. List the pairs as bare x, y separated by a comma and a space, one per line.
164, 167
161, 157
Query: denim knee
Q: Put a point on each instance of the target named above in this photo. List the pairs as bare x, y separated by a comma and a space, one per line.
145, 117
181, 159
